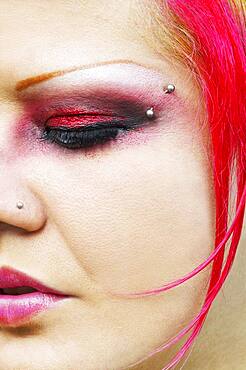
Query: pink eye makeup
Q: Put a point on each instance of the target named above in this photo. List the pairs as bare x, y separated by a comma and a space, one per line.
97, 133
89, 108
86, 128
75, 131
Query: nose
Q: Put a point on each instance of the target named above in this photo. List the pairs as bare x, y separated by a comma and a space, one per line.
19, 205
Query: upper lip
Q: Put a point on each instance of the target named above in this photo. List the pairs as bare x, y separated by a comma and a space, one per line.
11, 278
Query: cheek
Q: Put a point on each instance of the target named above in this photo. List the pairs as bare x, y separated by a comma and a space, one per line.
137, 218
148, 222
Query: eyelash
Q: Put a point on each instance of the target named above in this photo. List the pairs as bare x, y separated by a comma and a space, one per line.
89, 136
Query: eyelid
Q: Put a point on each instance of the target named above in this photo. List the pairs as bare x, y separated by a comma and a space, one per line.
90, 135
126, 123
81, 120
103, 101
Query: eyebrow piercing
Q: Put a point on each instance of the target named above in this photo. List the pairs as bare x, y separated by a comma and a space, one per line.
150, 113
19, 205
169, 89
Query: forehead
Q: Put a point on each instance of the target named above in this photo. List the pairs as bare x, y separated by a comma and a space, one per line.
42, 37
49, 35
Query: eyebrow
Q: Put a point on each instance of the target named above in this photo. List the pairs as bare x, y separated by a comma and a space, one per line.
24, 84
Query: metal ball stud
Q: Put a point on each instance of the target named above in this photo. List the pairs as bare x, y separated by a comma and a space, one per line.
150, 113
169, 89
19, 205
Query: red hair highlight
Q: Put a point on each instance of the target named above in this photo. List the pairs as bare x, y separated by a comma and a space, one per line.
219, 62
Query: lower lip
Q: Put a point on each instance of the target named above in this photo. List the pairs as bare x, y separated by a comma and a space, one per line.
16, 309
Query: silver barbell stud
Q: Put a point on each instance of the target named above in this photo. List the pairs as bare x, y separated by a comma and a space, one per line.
169, 89
150, 113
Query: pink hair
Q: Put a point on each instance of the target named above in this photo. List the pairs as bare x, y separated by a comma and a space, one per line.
219, 62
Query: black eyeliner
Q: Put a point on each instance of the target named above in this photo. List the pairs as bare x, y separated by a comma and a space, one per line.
91, 135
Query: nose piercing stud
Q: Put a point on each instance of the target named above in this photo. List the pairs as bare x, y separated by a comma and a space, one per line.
150, 113
19, 205
169, 89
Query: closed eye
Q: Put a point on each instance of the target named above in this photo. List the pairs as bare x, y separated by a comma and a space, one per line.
89, 136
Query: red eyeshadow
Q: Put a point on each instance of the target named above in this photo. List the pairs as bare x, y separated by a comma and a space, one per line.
77, 106
79, 120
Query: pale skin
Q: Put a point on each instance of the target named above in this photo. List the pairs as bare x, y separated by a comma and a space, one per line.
128, 218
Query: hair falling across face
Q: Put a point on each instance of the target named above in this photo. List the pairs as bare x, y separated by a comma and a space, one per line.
116, 151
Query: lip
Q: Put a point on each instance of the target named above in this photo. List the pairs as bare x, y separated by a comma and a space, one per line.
17, 309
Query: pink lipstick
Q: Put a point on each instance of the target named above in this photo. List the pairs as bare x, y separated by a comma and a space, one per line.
22, 297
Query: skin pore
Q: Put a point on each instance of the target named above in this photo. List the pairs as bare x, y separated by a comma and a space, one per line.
126, 217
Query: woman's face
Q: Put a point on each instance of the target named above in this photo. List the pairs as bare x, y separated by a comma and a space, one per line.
125, 216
